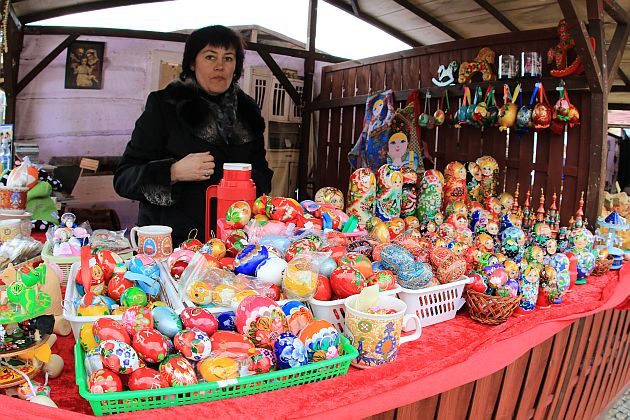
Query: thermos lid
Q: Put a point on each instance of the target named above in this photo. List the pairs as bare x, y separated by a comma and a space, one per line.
237, 166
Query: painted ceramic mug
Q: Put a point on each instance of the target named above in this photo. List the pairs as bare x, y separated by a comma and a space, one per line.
154, 240
376, 336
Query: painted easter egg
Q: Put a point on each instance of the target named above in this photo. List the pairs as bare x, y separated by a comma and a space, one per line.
249, 259
227, 321
117, 285
298, 315
110, 329
231, 344
193, 344
270, 270
104, 380
261, 361
133, 296
137, 317
178, 261
199, 292
357, 261
321, 340
260, 205
178, 371
261, 320
119, 357
215, 247
394, 256
199, 318
324, 290
299, 246
414, 275
146, 378
218, 369
299, 281
234, 244
346, 281
191, 244
166, 321
93, 361
86, 338
238, 214
289, 351
385, 279
150, 345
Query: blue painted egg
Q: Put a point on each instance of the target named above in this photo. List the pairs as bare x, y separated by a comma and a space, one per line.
414, 275
227, 321
166, 321
395, 256
327, 267
289, 351
93, 360
249, 259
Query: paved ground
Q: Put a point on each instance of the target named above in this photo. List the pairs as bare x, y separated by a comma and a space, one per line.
621, 409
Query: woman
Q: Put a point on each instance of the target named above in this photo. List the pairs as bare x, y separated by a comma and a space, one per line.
188, 131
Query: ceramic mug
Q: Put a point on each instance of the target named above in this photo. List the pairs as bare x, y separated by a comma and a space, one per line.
13, 199
377, 337
154, 240
9, 229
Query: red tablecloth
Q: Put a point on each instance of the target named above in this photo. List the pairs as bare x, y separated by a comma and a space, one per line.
446, 356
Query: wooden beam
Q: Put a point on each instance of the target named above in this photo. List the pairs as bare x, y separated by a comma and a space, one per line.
45, 62
11, 65
282, 78
305, 130
497, 14
616, 12
620, 107
355, 8
430, 19
623, 76
377, 23
169, 36
81, 7
616, 49
620, 89
592, 66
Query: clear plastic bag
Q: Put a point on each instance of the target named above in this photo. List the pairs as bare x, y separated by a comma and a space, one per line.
109, 239
301, 276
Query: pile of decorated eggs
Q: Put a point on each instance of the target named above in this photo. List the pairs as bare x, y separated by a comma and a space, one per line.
156, 348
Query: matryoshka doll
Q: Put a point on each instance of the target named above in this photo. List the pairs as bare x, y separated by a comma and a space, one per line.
582, 247
409, 192
361, 195
563, 239
494, 206
548, 287
455, 183
560, 263
489, 176
389, 192
507, 202
430, 195
474, 184
529, 284
330, 195
541, 233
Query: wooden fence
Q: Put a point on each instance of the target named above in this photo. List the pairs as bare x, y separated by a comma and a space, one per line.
345, 88
575, 374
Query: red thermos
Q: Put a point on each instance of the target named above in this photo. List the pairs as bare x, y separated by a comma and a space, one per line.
236, 185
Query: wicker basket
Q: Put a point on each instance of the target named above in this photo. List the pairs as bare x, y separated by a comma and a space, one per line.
491, 310
602, 266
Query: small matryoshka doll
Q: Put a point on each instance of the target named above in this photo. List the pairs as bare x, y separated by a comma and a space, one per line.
494, 206
529, 288
492, 227
474, 182
430, 195
563, 239
456, 207
361, 195
548, 287
534, 255
582, 247
541, 233
489, 176
507, 202
485, 243
388, 192
513, 269
330, 195
560, 263
409, 192
455, 183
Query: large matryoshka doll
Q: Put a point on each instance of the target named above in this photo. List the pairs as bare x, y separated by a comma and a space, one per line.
560, 263
489, 176
388, 192
455, 183
581, 240
430, 195
473, 186
409, 192
528, 285
361, 195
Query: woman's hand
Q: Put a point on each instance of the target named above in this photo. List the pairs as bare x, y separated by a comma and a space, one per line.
193, 167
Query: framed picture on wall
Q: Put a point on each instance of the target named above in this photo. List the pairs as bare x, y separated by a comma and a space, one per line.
84, 65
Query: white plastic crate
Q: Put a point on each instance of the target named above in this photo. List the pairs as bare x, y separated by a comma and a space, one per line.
167, 294
334, 312
434, 304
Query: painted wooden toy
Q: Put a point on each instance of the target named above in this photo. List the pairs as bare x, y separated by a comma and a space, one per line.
446, 74
489, 176
389, 192
455, 183
483, 63
430, 195
581, 241
330, 195
529, 285
361, 195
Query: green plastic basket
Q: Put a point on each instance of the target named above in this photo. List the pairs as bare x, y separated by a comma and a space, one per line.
127, 401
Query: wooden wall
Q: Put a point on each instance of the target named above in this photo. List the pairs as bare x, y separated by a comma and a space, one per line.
576, 374
342, 106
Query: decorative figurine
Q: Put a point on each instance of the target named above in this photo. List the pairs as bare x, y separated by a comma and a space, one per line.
615, 224
558, 53
330, 195
430, 195
529, 285
489, 176
389, 192
361, 195
483, 63
582, 247
455, 183
446, 74
560, 263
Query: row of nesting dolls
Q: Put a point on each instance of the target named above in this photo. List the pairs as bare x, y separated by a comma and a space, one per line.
396, 191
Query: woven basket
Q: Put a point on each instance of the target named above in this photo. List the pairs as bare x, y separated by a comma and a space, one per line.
491, 310
602, 266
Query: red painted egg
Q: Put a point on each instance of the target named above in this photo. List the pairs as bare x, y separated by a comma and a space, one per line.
110, 329
238, 214
231, 344
104, 380
150, 345
108, 260
358, 261
193, 245
323, 291
261, 320
298, 246
146, 378
193, 344
137, 317
336, 252
478, 284
178, 371
199, 318
234, 244
385, 279
346, 281
216, 248
119, 357
117, 285
261, 361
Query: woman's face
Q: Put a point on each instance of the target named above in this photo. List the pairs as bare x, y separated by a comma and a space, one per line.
214, 68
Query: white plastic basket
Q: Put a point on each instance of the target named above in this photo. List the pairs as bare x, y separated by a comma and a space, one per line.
167, 294
334, 312
434, 304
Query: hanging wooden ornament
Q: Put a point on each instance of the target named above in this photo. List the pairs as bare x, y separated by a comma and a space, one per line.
439, 115
425, 119
461, 117
541, 114
492, 111
524, 114
507, 114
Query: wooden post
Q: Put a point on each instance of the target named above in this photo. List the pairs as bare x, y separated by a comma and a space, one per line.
307, 97
11, 63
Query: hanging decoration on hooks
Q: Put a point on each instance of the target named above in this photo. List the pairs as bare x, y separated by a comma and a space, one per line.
507, 114
541, 114
425, 119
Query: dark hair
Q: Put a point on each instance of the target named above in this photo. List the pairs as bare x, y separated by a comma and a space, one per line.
215, 36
